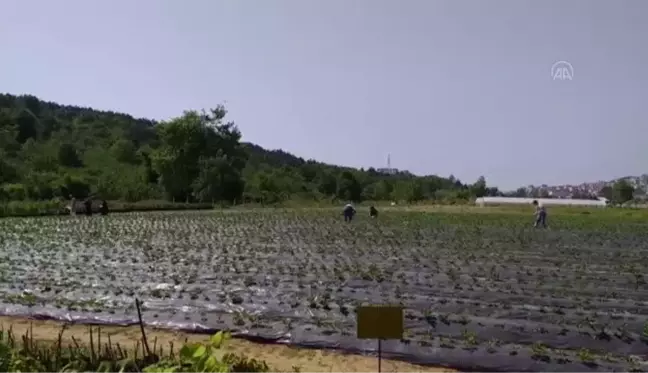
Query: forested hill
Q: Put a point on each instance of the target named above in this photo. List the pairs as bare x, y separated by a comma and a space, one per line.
50, 150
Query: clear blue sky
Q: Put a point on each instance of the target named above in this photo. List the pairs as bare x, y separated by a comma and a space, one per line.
446, 87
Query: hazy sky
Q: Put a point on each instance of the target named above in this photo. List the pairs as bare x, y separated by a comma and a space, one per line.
446, 87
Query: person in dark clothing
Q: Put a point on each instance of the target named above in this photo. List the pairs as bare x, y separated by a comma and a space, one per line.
348, 212
104, 207
373, 213
88, 207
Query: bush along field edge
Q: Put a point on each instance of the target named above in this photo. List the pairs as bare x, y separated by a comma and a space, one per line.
25, 354
58, 207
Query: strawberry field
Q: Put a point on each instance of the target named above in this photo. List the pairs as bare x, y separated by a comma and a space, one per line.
482, 291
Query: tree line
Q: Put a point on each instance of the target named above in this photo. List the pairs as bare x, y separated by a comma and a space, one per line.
50, 151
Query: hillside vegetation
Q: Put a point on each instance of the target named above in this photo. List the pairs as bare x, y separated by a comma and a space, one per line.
51, 151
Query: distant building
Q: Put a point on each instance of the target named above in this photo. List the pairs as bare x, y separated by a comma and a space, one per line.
582, 190
387, 171
483, 201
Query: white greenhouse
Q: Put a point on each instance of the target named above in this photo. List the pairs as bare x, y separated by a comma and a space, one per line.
483, 201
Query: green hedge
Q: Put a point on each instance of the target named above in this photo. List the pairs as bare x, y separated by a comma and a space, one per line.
57, 207
24, 354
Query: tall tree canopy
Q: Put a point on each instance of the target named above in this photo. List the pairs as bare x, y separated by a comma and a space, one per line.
48, 150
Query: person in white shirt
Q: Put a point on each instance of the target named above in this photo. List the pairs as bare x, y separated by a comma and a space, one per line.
540, 214
72, 206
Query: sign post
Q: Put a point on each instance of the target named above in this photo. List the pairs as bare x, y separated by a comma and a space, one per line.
381, 323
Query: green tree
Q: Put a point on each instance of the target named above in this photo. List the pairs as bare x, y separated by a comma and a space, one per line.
15, 192
383, 190
8, 134
145, 156
622, 192
26, 125
44, 185
191, 140
8, 172
348, 188
124, 151
521, 192
479, 188
408, 191
74, 186
326, 183
68, 156
48, 150
218, 180
607, 192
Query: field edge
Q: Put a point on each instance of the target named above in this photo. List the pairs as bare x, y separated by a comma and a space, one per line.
280, 357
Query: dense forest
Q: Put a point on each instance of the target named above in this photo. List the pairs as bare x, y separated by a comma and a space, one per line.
53, 151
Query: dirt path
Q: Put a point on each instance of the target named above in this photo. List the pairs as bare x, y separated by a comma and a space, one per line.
279, 357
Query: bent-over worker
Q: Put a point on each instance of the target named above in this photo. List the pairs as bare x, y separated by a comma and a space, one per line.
72, 206
373, 213
348, 212
540, 214
103, 208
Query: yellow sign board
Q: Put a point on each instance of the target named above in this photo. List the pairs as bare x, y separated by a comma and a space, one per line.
380, 322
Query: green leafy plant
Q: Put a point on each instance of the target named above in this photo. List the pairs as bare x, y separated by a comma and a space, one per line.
644, 333
539, 352
196, 357
586, 357
25, 354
